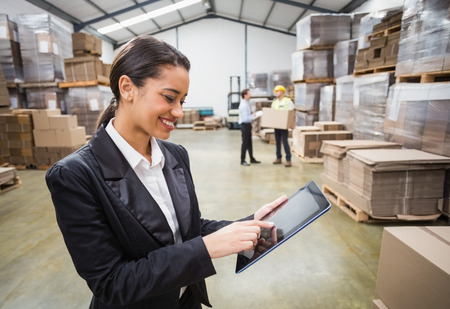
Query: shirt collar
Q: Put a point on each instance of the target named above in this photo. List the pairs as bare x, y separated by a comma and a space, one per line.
131, 155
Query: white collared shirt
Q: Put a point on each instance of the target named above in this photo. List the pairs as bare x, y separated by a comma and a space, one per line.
151, 175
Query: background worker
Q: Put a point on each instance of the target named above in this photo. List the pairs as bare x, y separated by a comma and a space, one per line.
281, 135
245, 121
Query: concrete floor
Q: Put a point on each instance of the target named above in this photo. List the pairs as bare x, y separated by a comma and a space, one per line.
330, 264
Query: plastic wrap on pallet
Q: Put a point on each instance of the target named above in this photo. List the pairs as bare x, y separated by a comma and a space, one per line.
344, 57
418, 116
327, 103
4, 94
323, 30
312, 64
258, 83
344, 101
44, 44
88, 103
366, 27
369, 101
356, 22
282, 77
446, 204
46, 98
10, 57
307, 96
425, 37
306, 118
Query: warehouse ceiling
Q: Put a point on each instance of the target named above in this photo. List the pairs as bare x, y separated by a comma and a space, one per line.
130, 18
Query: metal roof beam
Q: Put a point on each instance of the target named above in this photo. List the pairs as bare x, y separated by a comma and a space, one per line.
300, 17
240, 9
305, 6
268, 14
350, 7
113, 18
81, 25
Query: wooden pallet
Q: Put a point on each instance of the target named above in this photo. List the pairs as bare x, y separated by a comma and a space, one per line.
43, 167
430, 77
102, 82
360, 215
12, 184
382, 69
204, 128
320, 47
349, 208
315, 80
384, 32
314, 160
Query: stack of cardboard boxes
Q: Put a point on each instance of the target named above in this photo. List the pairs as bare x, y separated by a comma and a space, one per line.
55, 135
383, 45
312, 63
307, 143
335, 162
43, 43
16, 142
87, 81
4, 94
86, 65
385, 182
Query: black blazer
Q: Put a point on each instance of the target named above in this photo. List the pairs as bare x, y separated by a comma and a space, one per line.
118, 237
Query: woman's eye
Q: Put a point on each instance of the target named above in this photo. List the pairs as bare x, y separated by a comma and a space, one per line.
169, 99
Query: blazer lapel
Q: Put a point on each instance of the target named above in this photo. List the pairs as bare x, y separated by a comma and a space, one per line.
127, 187
176, 181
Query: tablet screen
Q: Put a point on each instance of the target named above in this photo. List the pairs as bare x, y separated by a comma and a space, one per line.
303, 207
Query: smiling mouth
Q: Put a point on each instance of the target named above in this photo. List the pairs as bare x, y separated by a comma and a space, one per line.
167, 123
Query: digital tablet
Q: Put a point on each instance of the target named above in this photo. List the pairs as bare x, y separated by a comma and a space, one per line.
303, 207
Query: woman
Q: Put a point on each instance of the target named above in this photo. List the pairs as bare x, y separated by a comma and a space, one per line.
125, 202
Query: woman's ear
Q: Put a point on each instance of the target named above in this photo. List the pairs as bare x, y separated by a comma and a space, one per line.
126, 88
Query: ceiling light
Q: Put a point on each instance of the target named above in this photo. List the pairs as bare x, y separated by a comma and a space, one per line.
149, 15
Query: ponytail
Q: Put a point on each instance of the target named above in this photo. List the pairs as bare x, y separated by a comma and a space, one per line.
108, 113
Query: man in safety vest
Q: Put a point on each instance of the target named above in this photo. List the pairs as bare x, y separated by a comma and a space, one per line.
282, 103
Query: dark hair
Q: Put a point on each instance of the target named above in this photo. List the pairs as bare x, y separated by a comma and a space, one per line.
141, 58
244, 92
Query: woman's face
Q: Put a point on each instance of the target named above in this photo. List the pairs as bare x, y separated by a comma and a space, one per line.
158, 104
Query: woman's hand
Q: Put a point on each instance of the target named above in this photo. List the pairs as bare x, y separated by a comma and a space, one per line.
234, 238
264, 210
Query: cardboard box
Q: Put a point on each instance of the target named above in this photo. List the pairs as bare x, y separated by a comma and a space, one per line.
71, 137
82, 42
277, 119
51, 100
45, 138
63, 122
40, 118
414, 267
309, 143
329, 125
84, 68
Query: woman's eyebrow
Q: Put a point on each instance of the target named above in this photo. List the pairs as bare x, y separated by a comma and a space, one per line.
173, 90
